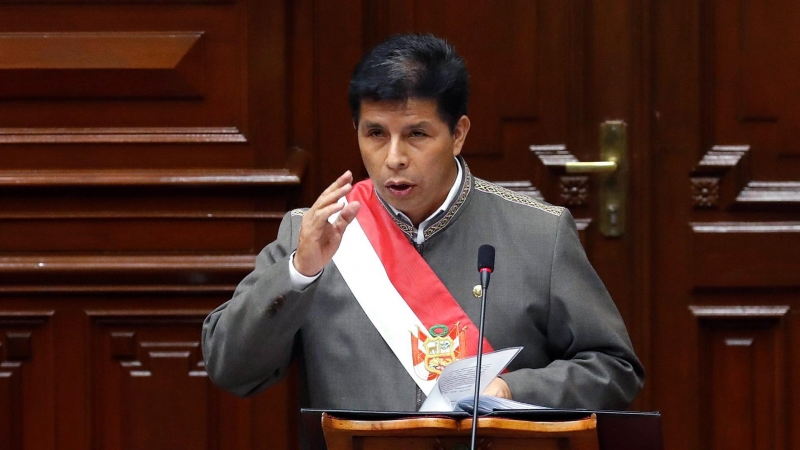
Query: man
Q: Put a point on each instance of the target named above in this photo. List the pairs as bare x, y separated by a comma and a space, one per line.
377, 290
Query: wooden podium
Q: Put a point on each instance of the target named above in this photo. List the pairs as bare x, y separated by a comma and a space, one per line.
446, 433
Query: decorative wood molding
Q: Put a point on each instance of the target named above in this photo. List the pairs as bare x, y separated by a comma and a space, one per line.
559, 188
18, 367
136, 316
770, 192
148, 178
745, 227
95, 50
98, 263
111, 2
55, 65
574, 190
728, 312
28, 318
123, 273
721, 179
705, 192
292, 175
555, 156
768, 261
742, 342
174, 135
137, 215
719, 176
150, 363
721, 158
582, 223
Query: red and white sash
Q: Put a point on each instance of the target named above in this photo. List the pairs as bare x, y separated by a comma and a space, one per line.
397, 289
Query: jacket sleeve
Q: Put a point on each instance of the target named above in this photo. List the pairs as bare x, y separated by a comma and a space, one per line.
593, 363
248, 340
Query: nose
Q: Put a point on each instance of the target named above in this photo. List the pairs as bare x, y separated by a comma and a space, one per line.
397, 158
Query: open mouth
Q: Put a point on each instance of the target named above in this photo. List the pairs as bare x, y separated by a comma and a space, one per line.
400, 189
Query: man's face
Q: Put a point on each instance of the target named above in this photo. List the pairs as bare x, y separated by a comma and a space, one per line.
408, 151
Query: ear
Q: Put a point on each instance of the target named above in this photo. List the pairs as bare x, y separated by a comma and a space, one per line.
460, 134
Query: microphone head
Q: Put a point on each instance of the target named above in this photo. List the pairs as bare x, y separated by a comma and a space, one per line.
486, 258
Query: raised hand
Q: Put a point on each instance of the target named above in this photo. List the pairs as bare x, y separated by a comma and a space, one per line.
319, 239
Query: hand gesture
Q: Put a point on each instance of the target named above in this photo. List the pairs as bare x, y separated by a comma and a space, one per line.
319, 239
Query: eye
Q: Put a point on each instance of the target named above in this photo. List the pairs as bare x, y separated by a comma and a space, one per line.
418, 133
375, 132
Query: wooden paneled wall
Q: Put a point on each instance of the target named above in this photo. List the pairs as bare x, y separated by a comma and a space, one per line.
149, 148
145, 157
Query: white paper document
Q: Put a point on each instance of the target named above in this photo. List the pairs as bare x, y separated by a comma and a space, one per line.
457, 380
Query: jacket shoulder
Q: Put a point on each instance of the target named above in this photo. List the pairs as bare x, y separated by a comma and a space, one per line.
515, 197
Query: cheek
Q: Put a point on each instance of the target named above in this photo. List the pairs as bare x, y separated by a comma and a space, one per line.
370, 158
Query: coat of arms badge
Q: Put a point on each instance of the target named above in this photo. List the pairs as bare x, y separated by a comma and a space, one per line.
431, 354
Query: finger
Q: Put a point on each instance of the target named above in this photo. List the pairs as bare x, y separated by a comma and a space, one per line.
335, 195
322, 215
345, 178
332, 195
347, 215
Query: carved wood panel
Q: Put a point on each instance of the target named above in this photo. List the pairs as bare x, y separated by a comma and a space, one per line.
150, 388
27, 397
743, 371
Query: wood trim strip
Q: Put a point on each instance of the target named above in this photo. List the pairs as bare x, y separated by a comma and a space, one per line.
126, 263
746, 227
169, 274
205, 289
135, 215
175, 135
107, 2
770, 192
148, 178
554, 155
95, 50
723, 312
120, 313
721, 158
25, 317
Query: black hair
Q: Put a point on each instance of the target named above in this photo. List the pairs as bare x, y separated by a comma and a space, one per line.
412, 66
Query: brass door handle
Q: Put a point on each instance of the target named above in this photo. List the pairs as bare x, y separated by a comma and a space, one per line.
613, 182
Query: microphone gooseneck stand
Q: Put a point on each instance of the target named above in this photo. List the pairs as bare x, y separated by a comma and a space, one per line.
480, 357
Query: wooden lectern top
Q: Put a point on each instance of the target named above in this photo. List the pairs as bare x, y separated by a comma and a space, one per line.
445, 433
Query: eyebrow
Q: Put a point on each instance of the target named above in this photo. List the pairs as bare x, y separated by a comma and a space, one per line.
373, 125
421, 124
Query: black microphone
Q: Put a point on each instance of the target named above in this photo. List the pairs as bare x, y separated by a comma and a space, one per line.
485, 267
485, 264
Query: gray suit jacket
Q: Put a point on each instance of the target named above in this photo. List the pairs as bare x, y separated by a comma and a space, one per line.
544, 296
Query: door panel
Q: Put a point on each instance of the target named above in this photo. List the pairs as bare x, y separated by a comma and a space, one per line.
726, 235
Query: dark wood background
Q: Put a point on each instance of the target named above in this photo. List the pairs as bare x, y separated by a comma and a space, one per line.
149, 148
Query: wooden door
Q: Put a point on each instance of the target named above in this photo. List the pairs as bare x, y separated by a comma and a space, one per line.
725, 168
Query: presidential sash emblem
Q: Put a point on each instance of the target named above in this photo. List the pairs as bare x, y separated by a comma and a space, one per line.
431, 354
